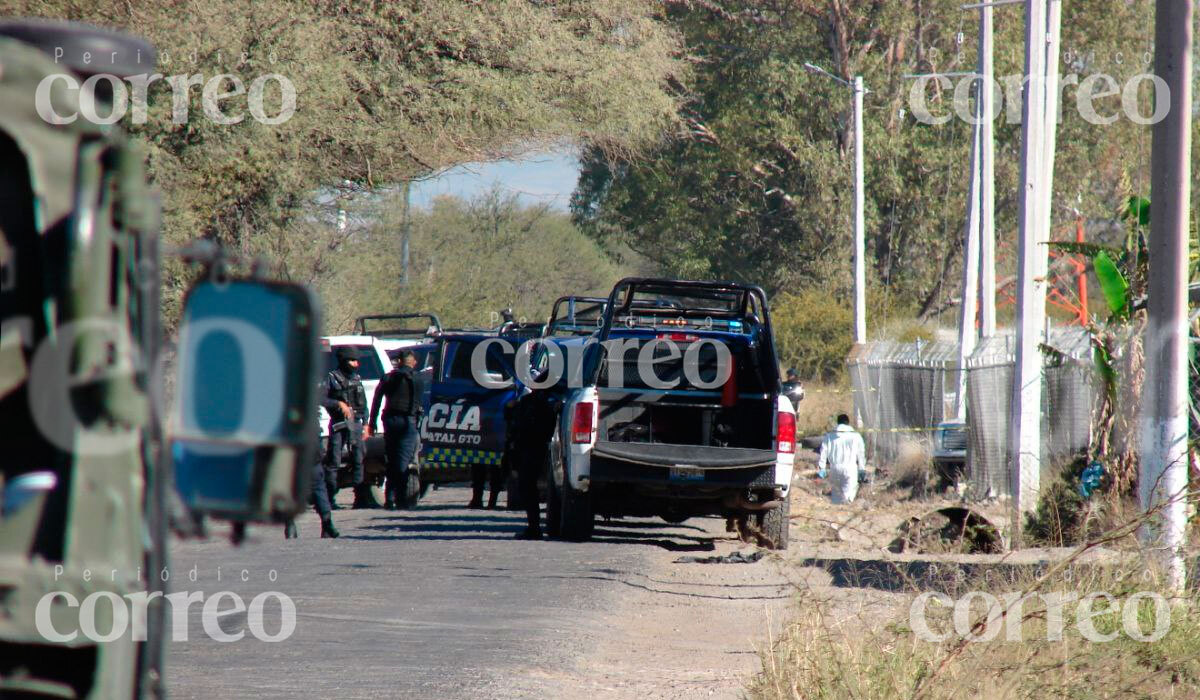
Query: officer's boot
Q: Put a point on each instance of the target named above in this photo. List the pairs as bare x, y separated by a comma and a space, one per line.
389, 493
492, 498
327, 528
363, 498
289, 530
476, 498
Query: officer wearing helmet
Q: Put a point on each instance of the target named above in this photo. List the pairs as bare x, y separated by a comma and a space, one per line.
345, 400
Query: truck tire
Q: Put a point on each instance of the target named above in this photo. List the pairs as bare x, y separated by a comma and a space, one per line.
378, 493
553, 504
412, 488
578, 520
774, 525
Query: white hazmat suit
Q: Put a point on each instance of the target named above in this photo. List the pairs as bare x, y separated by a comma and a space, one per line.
844, 454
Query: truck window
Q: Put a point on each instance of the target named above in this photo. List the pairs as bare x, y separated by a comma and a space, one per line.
458, 362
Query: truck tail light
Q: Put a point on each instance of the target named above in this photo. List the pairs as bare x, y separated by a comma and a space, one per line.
679, 337
786, 439
583, 423
729, 392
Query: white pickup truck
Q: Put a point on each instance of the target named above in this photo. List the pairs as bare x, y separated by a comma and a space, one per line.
716, 438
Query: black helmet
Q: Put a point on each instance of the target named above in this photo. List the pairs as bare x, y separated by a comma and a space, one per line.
345, 354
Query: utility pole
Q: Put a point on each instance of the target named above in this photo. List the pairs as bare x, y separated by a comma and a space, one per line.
1049, 141
860, 263
987, 172
405, 232
860, 246
1025, 424
967, 333
1164, 429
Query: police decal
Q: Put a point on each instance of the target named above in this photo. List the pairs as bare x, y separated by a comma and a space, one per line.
452, 424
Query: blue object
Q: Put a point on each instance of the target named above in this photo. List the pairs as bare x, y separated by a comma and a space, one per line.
821, 474
1089, 480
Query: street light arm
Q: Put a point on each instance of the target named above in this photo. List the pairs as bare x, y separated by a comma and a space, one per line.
811, 68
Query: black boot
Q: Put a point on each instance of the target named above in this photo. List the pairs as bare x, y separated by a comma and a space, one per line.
492, 498
363, 499
530, 533
289, 530
327, 528
476, 499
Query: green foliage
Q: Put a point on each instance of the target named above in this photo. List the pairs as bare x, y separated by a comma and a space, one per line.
386, 92
812, 332
1060, 517
467, 261
1137, 210
759, 185
1112, 284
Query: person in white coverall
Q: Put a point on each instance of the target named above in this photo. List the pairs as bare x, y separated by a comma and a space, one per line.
844, 454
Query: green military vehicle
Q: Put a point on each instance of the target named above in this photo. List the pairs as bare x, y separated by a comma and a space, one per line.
90, 483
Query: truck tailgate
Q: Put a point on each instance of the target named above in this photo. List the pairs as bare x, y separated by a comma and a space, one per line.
667, 455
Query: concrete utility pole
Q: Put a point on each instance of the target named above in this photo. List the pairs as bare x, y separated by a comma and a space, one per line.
405, 231
1049, 141
860, 246
1164, 425
987, 157
967, 333
1025, 434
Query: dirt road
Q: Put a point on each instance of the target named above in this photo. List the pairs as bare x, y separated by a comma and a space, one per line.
442, 602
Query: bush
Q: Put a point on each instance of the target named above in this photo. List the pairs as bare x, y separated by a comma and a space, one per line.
813, 333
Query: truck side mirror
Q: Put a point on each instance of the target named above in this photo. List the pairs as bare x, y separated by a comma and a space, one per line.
245, 425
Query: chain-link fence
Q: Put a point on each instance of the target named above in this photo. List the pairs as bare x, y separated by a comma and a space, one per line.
903, 390
899, 393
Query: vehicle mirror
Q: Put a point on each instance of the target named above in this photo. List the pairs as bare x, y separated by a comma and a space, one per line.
244, 431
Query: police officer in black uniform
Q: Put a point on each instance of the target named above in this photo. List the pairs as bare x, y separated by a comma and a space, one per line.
402, 388
346, 402
320, 500
531, 423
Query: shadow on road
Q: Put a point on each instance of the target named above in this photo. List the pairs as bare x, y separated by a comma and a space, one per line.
689, 543
452, 522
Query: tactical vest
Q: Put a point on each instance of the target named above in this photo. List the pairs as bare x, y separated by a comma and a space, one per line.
348, 390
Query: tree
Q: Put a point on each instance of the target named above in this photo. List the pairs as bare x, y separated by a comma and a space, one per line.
468, 261
758, 185
385, 92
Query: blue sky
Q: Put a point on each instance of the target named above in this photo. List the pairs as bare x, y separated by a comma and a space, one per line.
547, 177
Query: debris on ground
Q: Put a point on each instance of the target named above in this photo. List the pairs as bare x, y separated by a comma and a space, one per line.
748, 556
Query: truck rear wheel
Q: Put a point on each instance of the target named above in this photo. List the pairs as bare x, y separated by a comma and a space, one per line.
412, 488
578, 520
553, 504
774, 525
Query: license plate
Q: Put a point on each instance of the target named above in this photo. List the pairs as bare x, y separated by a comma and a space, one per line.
687, 474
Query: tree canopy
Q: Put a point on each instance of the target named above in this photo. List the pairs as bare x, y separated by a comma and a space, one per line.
760, 185
385, 92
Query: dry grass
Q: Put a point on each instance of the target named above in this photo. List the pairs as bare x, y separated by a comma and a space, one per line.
820, 407
851, 640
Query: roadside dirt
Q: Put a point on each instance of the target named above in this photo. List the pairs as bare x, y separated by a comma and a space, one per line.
686, 630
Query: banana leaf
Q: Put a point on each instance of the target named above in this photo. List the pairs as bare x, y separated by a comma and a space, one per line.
1137, 209
1112, 284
